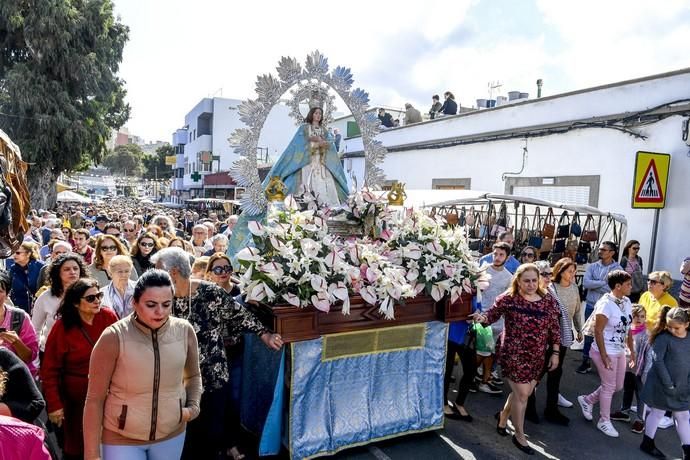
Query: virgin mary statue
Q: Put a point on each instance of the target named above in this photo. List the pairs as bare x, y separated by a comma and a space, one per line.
310, 163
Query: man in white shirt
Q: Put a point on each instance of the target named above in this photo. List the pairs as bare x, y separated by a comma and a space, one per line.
499, 282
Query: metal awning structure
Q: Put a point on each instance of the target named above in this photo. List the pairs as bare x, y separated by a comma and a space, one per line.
477, 199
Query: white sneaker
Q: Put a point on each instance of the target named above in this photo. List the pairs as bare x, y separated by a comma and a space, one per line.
586, 408
666, 422
563, 402
607, 428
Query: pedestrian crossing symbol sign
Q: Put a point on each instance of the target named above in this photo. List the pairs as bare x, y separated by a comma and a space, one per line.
651, 179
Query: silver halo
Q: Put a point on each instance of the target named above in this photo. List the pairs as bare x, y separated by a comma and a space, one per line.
269, 89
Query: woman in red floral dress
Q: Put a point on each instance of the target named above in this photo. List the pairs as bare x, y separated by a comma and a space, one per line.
531, 326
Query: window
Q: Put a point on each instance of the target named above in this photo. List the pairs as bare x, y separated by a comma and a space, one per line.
451, 184
577, 190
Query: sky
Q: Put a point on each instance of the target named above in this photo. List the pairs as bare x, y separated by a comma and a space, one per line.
180, 51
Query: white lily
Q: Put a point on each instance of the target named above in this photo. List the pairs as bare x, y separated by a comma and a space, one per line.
256, 228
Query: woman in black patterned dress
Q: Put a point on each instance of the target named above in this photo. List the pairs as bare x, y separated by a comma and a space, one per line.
212, 313
531, 326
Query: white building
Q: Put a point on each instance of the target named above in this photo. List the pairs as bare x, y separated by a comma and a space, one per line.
205, 134
581, 149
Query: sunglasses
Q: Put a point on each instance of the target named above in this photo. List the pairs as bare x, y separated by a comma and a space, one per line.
546, 274
92, 298
635, 248
128, 230
108, 248
654, 282
146, 245
222, 269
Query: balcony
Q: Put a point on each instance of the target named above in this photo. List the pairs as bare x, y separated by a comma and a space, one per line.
180, 137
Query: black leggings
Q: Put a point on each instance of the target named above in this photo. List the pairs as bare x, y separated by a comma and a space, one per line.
469, 369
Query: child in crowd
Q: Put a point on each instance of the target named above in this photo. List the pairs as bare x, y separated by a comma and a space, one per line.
667, 386
632, 385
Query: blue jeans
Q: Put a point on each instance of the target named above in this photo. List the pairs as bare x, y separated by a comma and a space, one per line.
164, 450
589, 308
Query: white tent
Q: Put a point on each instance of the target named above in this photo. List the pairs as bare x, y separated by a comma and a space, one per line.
73, 197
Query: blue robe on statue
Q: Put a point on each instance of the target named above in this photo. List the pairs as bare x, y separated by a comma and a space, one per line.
289, 168
297, 156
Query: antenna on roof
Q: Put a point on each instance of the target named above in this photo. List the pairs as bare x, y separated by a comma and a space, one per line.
492, 86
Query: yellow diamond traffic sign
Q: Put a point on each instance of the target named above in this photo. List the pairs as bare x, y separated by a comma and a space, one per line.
650, 180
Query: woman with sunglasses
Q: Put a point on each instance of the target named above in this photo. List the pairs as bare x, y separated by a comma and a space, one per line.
65, 369
553, 380
146, 246
632, 263
528, 255
656, 296
219, 271
107, 247
69, 235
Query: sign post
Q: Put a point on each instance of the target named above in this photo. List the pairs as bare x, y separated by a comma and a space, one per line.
650, 183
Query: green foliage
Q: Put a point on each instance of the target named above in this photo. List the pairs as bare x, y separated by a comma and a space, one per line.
154, 165
59, 89
125, 160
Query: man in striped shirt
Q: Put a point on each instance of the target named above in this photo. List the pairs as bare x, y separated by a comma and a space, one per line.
684, 295
595, 281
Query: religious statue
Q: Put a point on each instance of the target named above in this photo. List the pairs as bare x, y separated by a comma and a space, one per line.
310, 163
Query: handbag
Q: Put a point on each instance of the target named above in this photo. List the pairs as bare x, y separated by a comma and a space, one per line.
584, 247
559, 246
535, 239
469, 217
581, 258
522, 234
589, 233
546, 245
575, 227
473, 231
563, 226
501, 221
555, 257
549, 228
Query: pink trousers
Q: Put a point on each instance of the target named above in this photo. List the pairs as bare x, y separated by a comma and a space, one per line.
611, 381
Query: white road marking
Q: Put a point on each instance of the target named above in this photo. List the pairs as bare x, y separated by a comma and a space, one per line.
464, 453
378, 453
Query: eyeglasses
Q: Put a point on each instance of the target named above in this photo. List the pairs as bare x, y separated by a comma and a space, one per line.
92, 298
128, 230
146, 245
546, 274
222, 269
108, 248
527, 254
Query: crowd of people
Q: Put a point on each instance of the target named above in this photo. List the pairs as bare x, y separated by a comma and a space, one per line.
633, 331
98, 303
95, 305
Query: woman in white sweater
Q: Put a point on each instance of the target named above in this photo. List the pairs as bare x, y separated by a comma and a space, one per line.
64, 271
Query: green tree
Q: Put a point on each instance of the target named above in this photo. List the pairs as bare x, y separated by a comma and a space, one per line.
60, 96
125, 160
154, 165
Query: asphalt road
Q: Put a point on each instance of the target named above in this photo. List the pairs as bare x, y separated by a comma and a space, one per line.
479, 440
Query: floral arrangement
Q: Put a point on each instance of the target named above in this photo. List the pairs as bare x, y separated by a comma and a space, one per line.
295, 259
